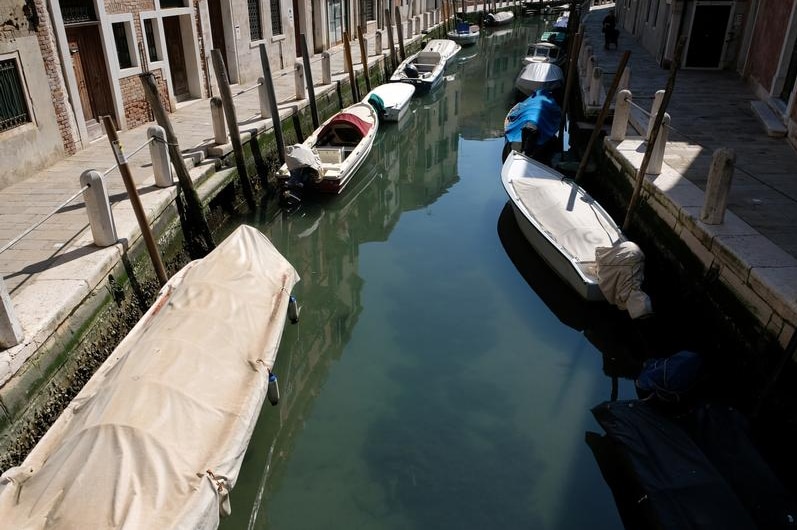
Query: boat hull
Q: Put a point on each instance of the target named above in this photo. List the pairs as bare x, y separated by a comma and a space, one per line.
464, 39
560, 221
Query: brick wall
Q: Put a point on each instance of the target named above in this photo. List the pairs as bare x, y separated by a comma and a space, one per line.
52, 66
770, 31
136, 107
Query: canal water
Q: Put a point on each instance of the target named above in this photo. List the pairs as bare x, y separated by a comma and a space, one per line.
440, 376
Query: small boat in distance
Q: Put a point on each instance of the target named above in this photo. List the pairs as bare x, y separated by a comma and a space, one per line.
499, 18
424, 70
328, 159
447, 48
464, 34
391, 100
560, 220
536, 76
545, 52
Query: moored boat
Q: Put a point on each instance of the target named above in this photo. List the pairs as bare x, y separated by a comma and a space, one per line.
423, 70
536, 76
157, 436
531, 126
464, 34
499, 18
447, 48
560, 220
328, 159
545, 52
391, 100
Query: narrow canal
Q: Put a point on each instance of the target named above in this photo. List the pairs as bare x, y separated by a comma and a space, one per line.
440, 376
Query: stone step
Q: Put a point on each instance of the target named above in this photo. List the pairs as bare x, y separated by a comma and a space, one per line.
772, 122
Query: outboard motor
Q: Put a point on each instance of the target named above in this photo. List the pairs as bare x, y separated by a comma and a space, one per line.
304, 166
529, 138
411, 71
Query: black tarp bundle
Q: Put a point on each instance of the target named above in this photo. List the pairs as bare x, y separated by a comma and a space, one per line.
699, 471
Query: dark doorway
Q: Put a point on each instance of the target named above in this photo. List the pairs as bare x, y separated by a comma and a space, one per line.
217, 30
707, 38
88, 62
176, 54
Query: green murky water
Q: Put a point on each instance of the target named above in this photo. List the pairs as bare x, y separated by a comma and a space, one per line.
441, 376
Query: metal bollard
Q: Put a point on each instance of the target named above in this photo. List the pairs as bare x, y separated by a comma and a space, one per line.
326, 69
262, 98
378, 42
10, 328
718, 186
159, 153
98, 208
217, 117
654, 110
622, 110
657, 155
298, 79
595, 83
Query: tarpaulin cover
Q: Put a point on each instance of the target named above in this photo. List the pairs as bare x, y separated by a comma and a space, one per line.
347, 119
621, 271
682, 488
540, 109
707, 443
561, 209
157, 436
299, 156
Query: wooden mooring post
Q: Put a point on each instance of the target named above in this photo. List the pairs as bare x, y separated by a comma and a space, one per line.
272, 100
390, 41
355, 90
400, 32
196, 230
232, 125
309, 77
135, 201
364, 55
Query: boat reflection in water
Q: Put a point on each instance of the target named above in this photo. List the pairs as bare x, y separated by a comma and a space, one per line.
619, 339
410, 166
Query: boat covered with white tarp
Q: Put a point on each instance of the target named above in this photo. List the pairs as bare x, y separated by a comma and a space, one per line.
157, 436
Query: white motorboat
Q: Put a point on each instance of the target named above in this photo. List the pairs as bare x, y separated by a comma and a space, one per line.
464, 34
545, 52
499, 18
447, 48
157, 436
423, 70
538, 75
391, 100
560, 220
328, 159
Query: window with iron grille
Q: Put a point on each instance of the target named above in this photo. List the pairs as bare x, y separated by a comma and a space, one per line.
276, 18
122, 44
255, 29
368, 9
76, 11
13, 103
149, 32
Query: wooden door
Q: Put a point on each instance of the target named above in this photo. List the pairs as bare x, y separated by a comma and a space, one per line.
176, 55
91, 75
